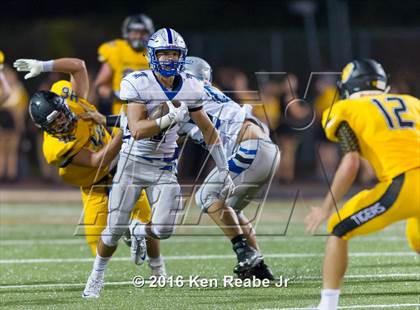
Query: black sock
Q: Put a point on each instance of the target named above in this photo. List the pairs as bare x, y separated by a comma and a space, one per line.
239, 245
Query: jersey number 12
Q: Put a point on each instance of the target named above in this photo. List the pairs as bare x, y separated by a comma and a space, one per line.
401, 108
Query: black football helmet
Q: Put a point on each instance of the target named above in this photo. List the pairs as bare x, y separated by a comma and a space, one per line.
362, 75
50, 112
137, 22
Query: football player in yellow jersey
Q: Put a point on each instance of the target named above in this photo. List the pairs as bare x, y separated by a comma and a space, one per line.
83, 149
123, 56
385, 130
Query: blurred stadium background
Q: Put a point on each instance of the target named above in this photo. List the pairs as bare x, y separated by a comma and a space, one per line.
237, 39
42, 264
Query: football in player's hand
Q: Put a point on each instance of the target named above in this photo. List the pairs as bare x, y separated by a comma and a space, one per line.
162, 109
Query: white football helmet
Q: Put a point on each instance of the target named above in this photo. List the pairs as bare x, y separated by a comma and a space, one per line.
199, 68
166, 39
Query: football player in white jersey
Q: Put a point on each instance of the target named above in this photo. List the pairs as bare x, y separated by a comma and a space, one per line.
253, 159
148, 156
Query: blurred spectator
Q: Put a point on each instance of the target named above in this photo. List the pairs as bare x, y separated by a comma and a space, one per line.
12, 125
267, 108
235, 84
287, 137
4, 85
327, 157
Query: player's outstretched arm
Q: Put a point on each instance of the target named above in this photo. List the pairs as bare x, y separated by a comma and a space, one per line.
73, 66
343, 178
101, 158
214, 146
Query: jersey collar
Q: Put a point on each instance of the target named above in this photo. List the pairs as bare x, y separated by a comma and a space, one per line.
177, 85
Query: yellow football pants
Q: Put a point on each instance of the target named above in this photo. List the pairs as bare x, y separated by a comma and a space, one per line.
388, 202
95, 212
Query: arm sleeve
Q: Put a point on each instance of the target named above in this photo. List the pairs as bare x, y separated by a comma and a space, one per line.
218, 153
347, 138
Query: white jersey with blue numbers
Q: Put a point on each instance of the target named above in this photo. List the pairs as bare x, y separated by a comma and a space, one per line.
226, 115
143, 86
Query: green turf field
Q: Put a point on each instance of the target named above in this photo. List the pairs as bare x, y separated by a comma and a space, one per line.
43, 265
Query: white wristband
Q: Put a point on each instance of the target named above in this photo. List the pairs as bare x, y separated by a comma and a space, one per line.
47, 66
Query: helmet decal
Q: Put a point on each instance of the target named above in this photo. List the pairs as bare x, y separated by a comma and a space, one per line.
347, 71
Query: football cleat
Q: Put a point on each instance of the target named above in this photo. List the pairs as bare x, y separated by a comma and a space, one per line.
138, 247
158, 271
260, 271
247, 260
94, 285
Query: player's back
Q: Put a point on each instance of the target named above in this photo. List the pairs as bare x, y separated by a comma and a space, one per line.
387, 129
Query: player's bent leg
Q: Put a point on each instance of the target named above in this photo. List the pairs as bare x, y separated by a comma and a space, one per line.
334, 268
167, 205
413, 233
372, 210
367, 212
260, 271
95, 212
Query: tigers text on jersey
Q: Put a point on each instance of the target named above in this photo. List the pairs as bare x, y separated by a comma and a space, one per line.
226, 115
387, 128
143, 86
87, 134
123, 59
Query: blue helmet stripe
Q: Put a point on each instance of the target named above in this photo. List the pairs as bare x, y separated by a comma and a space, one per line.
168, 30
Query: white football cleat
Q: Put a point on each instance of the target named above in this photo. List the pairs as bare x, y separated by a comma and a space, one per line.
138, 247
94, 285
158, 270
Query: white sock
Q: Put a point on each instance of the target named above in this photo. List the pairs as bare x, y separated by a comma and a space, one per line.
100, 264
140, 231
155, 262
329, 299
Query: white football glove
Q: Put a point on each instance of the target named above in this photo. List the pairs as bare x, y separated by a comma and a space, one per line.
177, 114
34, 67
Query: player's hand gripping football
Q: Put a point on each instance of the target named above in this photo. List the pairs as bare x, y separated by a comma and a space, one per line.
177, 114
34, 67
316, 217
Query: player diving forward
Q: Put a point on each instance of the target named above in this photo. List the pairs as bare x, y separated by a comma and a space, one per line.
82, 149
385, 130
148, 157
252, 159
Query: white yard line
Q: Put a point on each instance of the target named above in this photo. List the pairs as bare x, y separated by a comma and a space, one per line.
392, 306
202, 257
180, 239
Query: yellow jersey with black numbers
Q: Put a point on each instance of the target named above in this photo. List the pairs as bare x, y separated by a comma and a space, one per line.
86, 134
387, 128
122, 59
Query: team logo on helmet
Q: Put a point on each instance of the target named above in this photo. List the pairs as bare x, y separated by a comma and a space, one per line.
347, 71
